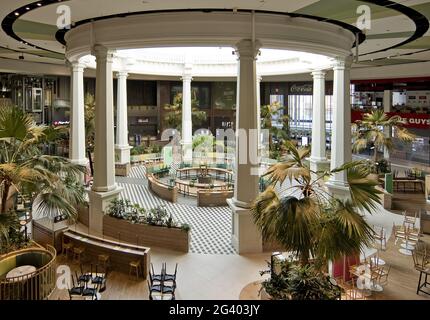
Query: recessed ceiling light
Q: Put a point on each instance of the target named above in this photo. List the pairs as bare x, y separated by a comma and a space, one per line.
27, 8
17, 13
39, 4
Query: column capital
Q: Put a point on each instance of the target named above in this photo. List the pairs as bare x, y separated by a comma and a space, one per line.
319, 74
342, 63
102, 53
259, 78
247, 49
122, 74
76, 65
187, 77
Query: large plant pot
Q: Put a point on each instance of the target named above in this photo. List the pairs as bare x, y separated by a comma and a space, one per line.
146, 235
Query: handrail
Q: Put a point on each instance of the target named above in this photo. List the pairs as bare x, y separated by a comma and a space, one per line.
37, 285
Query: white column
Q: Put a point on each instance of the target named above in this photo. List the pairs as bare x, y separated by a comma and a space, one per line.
187, 124
318, 156
122, 149
104, 187
77, 119
341, 146
245, 236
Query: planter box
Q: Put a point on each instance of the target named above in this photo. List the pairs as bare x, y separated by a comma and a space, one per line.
122, 170
83, 215
146, 235
163, 191
144, 157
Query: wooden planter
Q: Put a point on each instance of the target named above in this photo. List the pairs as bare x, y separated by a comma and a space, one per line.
122, 170
146, 235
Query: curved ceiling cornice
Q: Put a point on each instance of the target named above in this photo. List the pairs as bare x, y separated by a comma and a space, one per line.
407, 44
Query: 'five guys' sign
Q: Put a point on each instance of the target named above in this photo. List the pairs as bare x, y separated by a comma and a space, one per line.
411, 120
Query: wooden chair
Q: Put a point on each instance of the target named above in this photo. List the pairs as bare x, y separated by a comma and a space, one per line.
135, 266
383, 273
77, 254
380, 235
104, 260
422, 265
66, 247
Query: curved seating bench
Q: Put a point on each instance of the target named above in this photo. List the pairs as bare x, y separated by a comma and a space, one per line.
39, 279
120, 253
162, 190
211, 198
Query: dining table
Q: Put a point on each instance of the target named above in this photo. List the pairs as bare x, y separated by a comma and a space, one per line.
16, 274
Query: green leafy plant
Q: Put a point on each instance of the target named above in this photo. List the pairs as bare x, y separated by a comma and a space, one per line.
371, 132
134, 213
173, 117
308, 220
185, 227
49, 181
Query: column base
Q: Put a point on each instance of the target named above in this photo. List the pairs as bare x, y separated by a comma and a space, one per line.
83, 162
122, 154
99, 202
319, 164
339, 189
245, 236
187, 152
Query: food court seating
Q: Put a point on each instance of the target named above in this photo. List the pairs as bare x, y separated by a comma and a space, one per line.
158, 290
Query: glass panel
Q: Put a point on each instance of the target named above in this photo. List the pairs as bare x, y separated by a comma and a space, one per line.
224, 95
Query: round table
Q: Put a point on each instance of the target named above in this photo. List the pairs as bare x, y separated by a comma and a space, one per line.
14, 274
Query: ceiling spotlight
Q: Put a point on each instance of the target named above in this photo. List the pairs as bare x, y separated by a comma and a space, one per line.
17, 13
39, 4
27, 8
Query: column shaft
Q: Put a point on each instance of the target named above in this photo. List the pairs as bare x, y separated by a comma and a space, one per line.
341, 148
122, 149
318, 152
187, 124
104, 172
77, 116
247, 162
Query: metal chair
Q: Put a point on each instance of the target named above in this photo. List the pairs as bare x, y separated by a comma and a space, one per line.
422, 265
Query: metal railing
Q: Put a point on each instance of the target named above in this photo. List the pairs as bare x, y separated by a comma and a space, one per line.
37, 285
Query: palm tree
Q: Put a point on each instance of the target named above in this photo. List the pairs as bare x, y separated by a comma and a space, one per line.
90, 127
370, 131
173, 118
267, 114
24, 170
308, 220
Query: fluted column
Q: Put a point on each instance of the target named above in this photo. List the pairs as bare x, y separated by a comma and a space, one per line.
318, 154
245, 236
187, 124
122, 149
77, 119
341, 146
104, 188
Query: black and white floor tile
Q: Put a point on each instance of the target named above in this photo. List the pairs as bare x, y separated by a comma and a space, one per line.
210, 227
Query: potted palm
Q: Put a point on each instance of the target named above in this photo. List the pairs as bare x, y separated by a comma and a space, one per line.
371, 132
51, 182
309, 221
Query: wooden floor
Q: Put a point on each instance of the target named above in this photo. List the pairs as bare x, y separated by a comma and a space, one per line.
200, 277
232, 277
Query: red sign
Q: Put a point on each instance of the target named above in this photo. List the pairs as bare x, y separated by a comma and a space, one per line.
411, 120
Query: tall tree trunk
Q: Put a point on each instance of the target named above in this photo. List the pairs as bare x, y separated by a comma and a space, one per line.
90, 158
375, 155
5, 196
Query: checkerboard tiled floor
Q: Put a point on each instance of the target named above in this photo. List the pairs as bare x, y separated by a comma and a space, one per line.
210, 227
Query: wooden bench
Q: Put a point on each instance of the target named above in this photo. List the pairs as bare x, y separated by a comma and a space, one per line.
120, 254
208, 198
